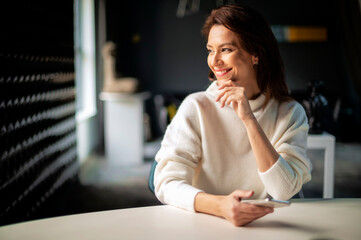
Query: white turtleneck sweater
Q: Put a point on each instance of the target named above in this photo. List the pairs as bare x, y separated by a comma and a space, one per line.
206, 149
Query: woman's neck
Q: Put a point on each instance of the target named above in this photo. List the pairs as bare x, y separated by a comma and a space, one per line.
252, 89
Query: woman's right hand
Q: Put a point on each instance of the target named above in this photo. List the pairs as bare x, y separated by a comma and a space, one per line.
240, 214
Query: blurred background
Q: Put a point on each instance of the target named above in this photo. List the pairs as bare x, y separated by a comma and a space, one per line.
81, 122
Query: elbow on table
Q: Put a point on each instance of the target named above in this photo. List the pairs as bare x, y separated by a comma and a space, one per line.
282, 196
284, 188
285, 193
159, 192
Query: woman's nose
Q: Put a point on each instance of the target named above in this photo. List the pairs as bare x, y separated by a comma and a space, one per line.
217, 59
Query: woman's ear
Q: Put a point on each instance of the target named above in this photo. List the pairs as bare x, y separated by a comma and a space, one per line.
254, 60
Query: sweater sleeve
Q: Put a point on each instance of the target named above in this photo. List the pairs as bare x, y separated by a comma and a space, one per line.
178, 158
293, 168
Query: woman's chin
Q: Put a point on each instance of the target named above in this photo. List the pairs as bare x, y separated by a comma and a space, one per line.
221, 80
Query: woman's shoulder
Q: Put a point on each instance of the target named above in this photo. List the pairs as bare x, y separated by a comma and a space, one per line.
200, 98
197, 96
194, 104
291, 108
192, 107
291, 105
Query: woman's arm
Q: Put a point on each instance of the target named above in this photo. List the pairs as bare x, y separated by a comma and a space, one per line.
284, 165
178, 158
230, 207
264, 152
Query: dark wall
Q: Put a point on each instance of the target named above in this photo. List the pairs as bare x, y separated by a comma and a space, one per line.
307, 61
171, 54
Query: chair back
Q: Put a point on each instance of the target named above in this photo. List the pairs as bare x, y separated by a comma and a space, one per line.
151, 176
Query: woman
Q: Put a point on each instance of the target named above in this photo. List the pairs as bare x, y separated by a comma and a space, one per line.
244, 137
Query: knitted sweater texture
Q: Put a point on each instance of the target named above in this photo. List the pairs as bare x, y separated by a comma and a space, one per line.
206, 149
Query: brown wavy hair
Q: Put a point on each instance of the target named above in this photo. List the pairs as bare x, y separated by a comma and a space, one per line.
256, 37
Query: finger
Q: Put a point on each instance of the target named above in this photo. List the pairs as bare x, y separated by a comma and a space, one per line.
242, 221
247, 217
221, 94
239, 194
239, 91
255, 217
235, 106
231, 99
224, 98
229, 95
246, 221
253, 209
242, 218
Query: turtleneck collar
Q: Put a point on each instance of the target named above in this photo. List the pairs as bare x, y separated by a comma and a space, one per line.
255, 104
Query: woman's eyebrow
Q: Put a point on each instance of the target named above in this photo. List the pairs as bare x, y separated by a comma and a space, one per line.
229, 43
225, 44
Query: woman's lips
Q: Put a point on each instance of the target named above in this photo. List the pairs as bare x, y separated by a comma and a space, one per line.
222, 72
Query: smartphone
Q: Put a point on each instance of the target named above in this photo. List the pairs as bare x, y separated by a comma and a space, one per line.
273, 203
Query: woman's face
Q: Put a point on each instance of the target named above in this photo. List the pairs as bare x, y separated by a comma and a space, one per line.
227, 59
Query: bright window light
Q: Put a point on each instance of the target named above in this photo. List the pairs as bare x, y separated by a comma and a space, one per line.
85, 59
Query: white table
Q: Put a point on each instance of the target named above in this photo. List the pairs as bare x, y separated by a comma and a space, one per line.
325, 141
304, 219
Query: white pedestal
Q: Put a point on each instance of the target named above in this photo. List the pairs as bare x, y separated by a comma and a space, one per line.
123, 123
325, 141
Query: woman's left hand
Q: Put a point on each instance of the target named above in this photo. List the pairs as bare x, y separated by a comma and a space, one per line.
232, 93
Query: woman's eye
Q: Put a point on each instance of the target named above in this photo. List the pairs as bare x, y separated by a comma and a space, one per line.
209, 51
226, 50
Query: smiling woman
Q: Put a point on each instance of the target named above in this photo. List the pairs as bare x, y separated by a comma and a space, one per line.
243, 137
